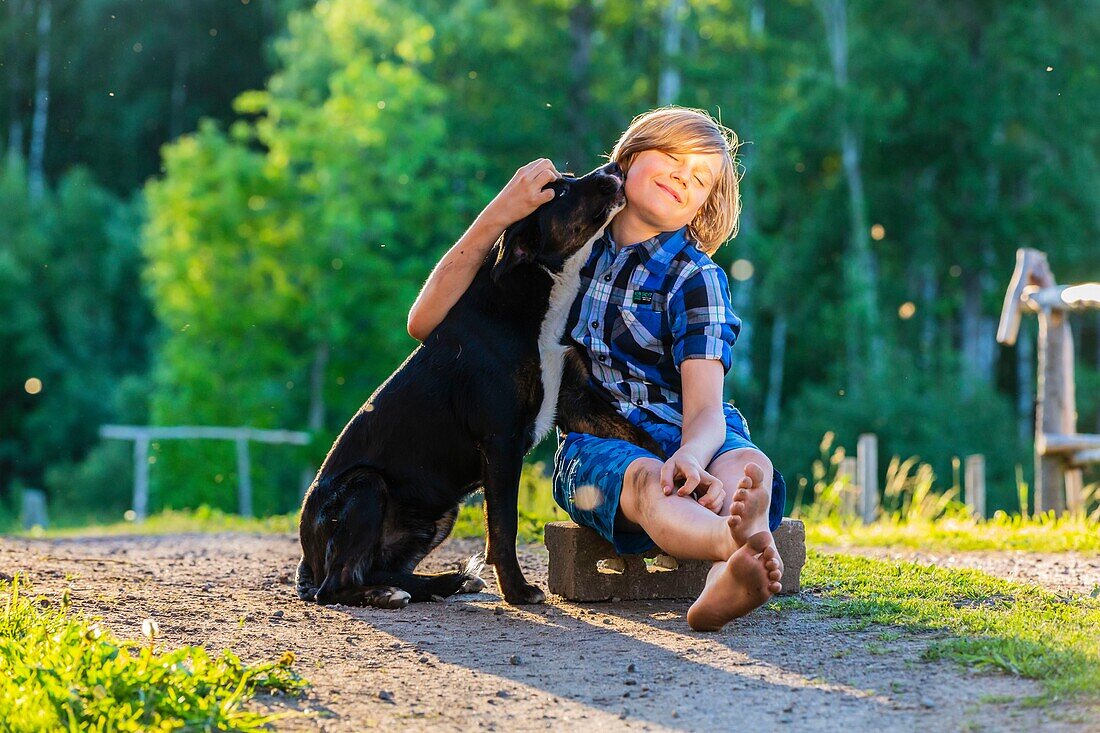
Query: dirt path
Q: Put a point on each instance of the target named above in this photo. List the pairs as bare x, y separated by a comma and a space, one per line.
473, 662
1068, 572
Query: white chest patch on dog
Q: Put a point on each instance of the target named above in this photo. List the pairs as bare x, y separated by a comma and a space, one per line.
551, 352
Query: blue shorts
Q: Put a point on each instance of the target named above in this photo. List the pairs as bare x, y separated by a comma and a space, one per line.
589, 472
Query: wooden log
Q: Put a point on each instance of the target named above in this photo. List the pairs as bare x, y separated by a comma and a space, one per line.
974, 484
1084, 457
187, 432
1048, 444
1056, 413
1031, 270
867, 471
1083, 296
142, 434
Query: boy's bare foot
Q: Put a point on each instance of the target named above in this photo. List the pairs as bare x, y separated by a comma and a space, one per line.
750, 504
734, 587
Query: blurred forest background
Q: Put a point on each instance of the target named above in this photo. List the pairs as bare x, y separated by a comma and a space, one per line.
218, 212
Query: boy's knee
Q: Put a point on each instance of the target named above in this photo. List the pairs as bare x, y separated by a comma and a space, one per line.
734, 461
642, 478
644, 473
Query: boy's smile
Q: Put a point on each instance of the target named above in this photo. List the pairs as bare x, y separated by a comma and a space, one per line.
664, 191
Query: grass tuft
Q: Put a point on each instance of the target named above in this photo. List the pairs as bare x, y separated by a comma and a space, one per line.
1020, 629
59, 671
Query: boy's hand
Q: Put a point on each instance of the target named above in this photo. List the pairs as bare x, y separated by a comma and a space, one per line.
524, 193
683, 469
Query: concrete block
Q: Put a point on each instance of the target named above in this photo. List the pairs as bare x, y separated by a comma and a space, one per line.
584, 566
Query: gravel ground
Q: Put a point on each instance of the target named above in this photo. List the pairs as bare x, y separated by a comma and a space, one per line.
475, 663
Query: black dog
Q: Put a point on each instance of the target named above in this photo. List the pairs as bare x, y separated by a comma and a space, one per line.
459, 413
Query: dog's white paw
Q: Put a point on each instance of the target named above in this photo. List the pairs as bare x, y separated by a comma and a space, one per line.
386, 598
472, 585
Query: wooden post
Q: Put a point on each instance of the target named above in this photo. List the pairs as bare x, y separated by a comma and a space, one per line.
141, 476
1075, 491
846, 474
244, 479
33, 512
975, 485
1055, 413
867, 471
1058, 481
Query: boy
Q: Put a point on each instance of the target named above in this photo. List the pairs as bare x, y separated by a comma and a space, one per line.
654, 322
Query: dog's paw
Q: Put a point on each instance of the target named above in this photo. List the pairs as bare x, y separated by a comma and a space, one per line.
386, 598
472, 585
527, 595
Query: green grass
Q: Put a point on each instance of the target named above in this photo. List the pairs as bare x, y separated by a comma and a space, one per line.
991, 624
917, 513
60, 671
173, 521
536, 508
1044, 533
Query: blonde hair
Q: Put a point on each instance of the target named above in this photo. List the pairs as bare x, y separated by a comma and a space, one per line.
683, 130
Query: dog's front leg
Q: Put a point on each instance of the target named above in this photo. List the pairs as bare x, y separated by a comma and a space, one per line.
502, 465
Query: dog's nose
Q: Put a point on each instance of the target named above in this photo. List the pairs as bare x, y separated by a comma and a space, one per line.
614, 169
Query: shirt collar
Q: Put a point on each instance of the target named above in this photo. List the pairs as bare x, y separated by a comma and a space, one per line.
656, 253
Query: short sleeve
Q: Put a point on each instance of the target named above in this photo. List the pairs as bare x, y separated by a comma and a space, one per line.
703, 323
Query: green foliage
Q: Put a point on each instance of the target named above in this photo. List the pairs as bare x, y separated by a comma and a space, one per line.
1015, 628
915, 513
536, 507
286, 235
913, 413
283, 277
78, 325
62, 672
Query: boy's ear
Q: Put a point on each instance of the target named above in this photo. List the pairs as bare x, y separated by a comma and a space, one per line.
519, 244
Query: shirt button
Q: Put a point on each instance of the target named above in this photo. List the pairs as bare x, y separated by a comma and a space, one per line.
639, 403
595, 324
607, 277
603, 358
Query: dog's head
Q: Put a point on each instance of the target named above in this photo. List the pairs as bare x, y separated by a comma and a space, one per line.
577, 214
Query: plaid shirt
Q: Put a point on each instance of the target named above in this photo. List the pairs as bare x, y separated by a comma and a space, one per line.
641, 311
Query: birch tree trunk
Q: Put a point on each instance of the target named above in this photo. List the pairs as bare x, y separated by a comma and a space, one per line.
775, 377
17, 12
581, 17
668, 84
35, 173
178, 97
741, 291
316, 420
863, 340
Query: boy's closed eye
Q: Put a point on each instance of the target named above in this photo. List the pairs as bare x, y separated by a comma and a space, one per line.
697, 178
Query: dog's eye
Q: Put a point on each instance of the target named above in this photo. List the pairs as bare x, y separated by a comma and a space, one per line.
562, 192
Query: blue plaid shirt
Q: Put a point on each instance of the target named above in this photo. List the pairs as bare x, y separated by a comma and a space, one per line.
641, 311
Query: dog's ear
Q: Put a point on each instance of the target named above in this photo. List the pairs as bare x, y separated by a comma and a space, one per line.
520, 244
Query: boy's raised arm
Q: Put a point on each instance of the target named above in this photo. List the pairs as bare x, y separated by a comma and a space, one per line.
455, 271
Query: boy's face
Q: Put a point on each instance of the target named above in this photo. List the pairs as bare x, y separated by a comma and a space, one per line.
668, 189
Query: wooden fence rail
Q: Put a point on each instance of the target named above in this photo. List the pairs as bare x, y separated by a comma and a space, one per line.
142, 435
